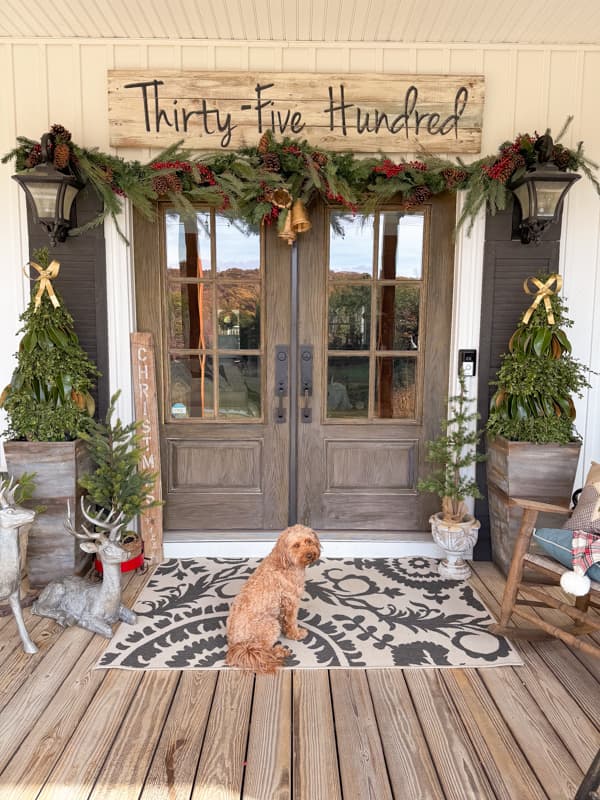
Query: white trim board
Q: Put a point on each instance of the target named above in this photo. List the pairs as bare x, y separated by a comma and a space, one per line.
337, 549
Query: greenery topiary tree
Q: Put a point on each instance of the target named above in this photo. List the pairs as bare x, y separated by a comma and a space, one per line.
117, 480
49, 398
538, 376
453, 451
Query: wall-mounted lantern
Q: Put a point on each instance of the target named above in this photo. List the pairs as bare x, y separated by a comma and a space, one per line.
50, 193
540, 192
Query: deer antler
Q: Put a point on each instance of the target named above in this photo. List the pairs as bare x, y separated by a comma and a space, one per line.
68, 526
110, 522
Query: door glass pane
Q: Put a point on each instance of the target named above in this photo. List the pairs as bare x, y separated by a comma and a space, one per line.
350, 245
398, 317
347, 386
191, 386
400, 245
349, 317
395, 388
239, 386
190, 309
238, 316
187, 244
238, 248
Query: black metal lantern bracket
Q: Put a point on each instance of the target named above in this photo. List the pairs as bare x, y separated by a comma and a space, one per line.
539, 194
50, 192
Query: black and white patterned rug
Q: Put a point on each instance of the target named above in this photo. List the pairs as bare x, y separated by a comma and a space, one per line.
382, 612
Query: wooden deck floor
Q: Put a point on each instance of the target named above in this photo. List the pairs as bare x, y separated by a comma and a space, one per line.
68, 731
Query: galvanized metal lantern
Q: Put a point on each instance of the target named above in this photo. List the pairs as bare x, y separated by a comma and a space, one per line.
50, 193
541, 191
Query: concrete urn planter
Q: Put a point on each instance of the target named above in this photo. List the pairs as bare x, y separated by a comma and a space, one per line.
457, 540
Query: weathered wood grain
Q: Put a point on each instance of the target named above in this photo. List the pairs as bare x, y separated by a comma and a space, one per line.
146, 413
269, 758
358, 113
362, 763
409, 764
171, 774
221, 767
314, 744
456, 760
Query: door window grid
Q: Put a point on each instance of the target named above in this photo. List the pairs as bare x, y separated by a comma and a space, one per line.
384, 307
214, 281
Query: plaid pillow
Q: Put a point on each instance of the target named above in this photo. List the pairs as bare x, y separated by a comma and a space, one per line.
586, 514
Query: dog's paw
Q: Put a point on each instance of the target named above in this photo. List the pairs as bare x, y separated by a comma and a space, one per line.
296, 634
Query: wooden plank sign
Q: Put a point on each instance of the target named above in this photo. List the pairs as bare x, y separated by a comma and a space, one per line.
146, 412
363, 113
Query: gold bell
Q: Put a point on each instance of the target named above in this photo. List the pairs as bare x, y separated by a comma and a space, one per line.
300, 220
287, 233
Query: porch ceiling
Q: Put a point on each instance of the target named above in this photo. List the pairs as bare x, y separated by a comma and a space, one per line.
402, 21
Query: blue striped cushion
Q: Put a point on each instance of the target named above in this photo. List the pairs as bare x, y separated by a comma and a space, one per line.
557, 543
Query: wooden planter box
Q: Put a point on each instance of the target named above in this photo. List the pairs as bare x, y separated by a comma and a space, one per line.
543, 472
52, 552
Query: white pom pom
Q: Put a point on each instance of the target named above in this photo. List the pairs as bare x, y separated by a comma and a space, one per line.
572, 583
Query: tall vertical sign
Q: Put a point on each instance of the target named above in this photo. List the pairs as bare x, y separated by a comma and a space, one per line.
146, 412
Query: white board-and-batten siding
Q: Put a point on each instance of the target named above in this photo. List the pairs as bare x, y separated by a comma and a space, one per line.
526, 87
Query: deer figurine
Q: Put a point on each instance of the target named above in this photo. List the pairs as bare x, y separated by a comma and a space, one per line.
77, 601
12, 517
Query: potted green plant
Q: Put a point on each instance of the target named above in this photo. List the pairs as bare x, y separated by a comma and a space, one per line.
116, 481
48, 403
454, 529
533, 447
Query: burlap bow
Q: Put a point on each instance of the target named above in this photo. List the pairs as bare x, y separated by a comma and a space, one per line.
543, 292
45, 276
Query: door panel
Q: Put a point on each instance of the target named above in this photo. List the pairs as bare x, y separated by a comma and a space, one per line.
375, 305
373, 301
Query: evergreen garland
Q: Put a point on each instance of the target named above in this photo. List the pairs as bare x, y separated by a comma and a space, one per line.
48, 398
240, 183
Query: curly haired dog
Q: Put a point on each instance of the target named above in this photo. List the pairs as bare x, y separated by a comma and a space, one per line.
268, 603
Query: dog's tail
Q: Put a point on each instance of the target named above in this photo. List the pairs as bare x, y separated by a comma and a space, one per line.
249, 655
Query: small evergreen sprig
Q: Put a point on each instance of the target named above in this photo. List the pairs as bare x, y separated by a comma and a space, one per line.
117, 481
453, 451
537, 379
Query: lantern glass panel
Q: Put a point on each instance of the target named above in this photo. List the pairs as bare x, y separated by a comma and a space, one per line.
70, 195
44, 197
548, 196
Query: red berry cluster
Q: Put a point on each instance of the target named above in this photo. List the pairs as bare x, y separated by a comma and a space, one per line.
389, 169
418, 165
338, 198
205, 175
183, 166
503, 168
295, 151
271, 216
35, 156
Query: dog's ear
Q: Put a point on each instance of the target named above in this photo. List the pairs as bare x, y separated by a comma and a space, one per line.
280, 552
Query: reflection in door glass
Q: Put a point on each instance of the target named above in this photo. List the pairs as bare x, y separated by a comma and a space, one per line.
400, 244
350, 246
190, 315
187, 245
238, 316
238, 248
398, 317
395, 388
348, 386
349, 316
192, 386
239, 386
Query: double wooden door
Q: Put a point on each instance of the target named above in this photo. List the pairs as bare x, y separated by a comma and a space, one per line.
298, 384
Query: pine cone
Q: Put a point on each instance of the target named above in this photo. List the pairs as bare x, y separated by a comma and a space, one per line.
60, 133
160, 184
561, 158
264, 143
453, 177
62, 153
35, 156
174, 184
108, 173
319, 158
419, 195
271, 162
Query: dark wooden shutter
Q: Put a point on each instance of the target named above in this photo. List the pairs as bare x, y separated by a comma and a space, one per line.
506, 264
82, 285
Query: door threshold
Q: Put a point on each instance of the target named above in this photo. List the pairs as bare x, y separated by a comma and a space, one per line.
334, 544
